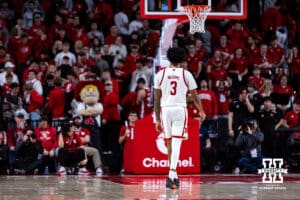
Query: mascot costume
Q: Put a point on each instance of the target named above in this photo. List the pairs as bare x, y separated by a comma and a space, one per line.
90, 109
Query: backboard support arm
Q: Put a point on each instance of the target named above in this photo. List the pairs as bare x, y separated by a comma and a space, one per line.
167, 33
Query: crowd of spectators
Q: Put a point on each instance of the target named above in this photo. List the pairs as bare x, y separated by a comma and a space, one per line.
47, 47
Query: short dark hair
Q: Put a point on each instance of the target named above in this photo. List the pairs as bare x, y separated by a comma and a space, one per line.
8, 75
251, 84
66, 126
133, 111
43, 118
141, 80
66, 43
91, 76
33, 136
14, 85
241, 89
106, 70
57, 82
245, 125
176, 55
141, 60
32, 70
267, 98
28, 129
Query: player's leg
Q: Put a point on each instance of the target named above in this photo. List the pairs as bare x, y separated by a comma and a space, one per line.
178, 134
166, 123
167, 129
176, 146
169, 142
169, 182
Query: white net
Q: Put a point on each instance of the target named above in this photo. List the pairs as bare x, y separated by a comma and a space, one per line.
197, 15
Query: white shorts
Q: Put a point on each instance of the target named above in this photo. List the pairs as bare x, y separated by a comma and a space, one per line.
174, 122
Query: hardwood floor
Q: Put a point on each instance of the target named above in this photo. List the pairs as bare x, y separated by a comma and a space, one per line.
217, 186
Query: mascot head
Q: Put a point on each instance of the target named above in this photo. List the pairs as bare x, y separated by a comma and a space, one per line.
88, 92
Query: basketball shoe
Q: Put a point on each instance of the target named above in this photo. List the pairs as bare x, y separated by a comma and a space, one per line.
99, 172
176, 182
170, 184
62, 171
83, 171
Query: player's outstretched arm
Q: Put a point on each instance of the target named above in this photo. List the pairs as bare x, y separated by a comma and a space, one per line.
198, 104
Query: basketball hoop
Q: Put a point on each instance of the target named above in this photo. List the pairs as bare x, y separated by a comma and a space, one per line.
197, 15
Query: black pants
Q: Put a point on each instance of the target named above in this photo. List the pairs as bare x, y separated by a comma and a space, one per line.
268, 146
27, 165
70, 159
235, 81
110, 136
3, 166
50, 162
111, 155
96, 134
208, 159
233, 153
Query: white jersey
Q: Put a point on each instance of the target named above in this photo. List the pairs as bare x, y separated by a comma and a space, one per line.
174, 84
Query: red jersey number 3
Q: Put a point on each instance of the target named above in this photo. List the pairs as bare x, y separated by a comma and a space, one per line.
174, 88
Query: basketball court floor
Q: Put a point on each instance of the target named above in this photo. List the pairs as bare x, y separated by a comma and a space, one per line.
146, 187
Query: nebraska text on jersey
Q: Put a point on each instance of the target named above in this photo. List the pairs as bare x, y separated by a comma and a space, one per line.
174, 84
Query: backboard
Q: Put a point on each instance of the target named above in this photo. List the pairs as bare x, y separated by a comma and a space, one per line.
220, 9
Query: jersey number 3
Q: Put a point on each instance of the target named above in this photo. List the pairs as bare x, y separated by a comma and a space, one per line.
174, 88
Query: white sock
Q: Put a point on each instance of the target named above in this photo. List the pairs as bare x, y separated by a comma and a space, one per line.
172, 175
176, 144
